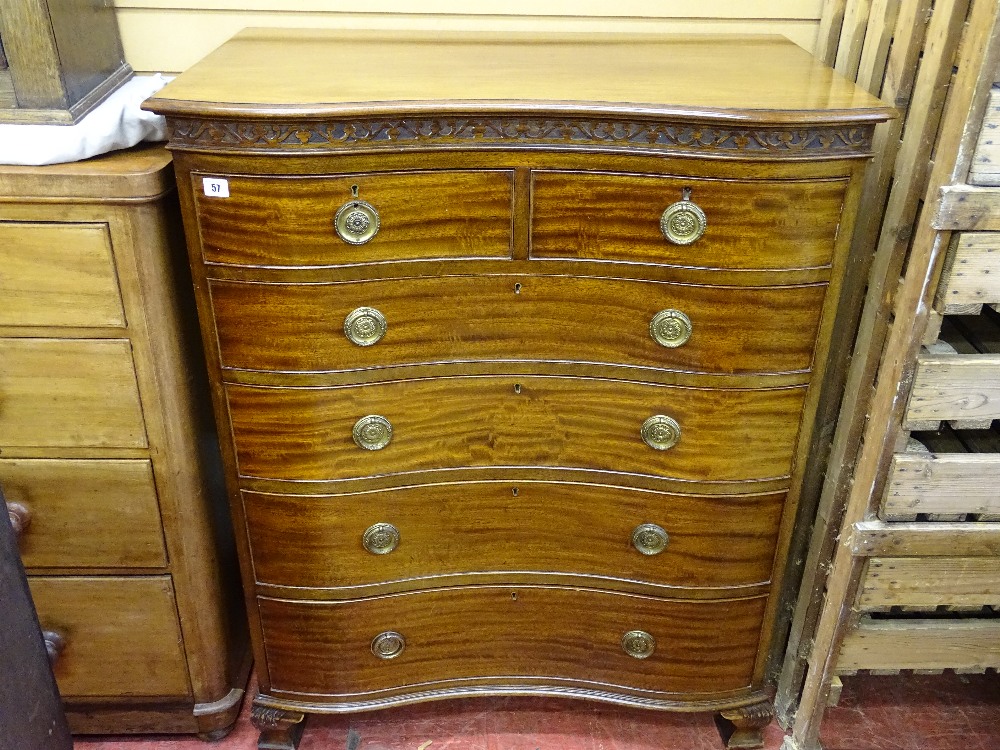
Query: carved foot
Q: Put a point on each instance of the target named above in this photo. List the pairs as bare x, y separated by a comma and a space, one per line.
744, 727
279, 729
216, 734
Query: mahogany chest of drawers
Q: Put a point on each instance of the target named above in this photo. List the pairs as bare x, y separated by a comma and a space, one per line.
107, 460
517, 355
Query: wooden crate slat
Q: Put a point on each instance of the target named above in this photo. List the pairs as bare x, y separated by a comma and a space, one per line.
948, 483
985, 168
955, 388
852, 37
922, 644
921, 538
968, 208
972, 272
924, 582
878, 38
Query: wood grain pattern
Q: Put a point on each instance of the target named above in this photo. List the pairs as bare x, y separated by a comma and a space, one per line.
753, 224
895, 539
87, 514
275, 221
985, 168
955, 387
968, 276
46, 401
468, 71
922, 644
930, 582
58, 275
515, 635
122, 636
299, 327
305, 433
967, 208
943, 483
586, 530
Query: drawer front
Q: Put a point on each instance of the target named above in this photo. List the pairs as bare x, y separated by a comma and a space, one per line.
100, 514
69, 393
307, 433
289, 221
514, 635
120, 635
446, 530
750, 225
300, 327
58, 275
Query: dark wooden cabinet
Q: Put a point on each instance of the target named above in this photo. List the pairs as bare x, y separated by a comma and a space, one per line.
517, 358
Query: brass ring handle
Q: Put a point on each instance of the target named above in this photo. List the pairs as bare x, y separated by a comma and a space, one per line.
650, 539
683, 222
356, 222
365, 326
373, 432
54, 644
670, 328
388, 645
638, 644
20, 518
660, 432
380, 538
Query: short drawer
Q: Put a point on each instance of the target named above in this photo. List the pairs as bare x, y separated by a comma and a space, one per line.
515, 635
449, 423
69, 393
750, 224
120, 635
58, 275
80, 514
301, 327
290, 221
438, 532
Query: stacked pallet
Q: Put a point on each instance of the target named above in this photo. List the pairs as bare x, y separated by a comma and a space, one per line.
903, 570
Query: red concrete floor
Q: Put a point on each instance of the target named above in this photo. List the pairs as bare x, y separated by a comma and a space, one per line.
947, 712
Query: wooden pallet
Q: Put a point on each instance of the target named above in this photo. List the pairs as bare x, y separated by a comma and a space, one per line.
905, 553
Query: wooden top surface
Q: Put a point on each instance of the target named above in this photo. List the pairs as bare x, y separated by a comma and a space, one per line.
319, 73
138, 173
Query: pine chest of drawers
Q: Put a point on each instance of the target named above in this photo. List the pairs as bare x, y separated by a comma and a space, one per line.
517, 354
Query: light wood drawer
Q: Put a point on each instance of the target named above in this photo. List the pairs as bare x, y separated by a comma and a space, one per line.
537, 527
750, 224
58, 275
451, 423
289, 221
300, 327
121, 635
70, 393
514, 634
94, 513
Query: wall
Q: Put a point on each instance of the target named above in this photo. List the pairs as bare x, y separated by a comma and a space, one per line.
170, 35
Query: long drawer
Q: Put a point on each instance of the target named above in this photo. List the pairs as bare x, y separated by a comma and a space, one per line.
69, 393
305, 327
446, 423
290, 221
94, 513
120, 635
428, 534
749, 224
515, 635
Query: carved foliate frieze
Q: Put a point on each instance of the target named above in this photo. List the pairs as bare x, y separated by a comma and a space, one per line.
437, 132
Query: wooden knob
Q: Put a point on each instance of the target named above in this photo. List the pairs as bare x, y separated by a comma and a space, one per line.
54, 644
20, 518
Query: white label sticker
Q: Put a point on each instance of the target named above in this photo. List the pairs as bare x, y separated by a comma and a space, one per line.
216, 188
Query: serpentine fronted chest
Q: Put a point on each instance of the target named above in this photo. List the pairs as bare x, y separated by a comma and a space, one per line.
517, 345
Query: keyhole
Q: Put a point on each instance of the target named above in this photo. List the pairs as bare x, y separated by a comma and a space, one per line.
354, 190
513, 596
517, 388
685, 194
513, 491
517, 288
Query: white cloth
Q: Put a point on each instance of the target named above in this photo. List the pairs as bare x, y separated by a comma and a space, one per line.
115, 123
